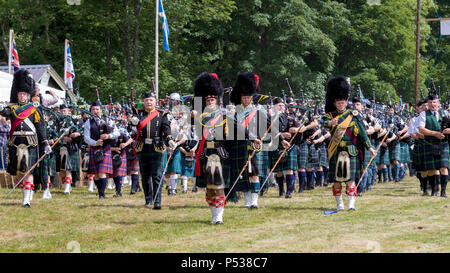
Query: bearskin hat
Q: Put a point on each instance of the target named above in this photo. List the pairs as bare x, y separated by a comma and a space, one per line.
23, 82
337, 88
207, 84
246, 85
150, 94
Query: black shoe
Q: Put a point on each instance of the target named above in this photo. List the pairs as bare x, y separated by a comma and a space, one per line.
184, 191
101, 197
282, 193
434, 193
253, 207
157, 206
194, 189
117, 195
132, 192
425, 193
219, 223
27, 206
288, 195
148, 204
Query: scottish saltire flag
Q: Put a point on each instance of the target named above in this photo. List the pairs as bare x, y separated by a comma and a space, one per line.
70, 73
165, 26
15, 56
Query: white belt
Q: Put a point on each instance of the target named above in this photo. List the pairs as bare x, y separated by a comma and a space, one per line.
148, 141
23, 133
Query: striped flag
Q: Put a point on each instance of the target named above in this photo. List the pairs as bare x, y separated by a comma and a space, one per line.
70, 72
165, 26
14, 56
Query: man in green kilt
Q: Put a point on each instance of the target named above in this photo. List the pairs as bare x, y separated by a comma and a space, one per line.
248, 129
153, 133
288, 163
435, 146
349, 138
69, 149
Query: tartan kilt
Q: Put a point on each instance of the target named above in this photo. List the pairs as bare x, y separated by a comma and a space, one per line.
382, 155
103, 167
74, 159
132, 165
367, 157
263, 163
185, 170
404, 152
175, 162
302, 155
355, 166
394, 152
323, 155
313, 157
433, 162
33, 156
238, 157
291, 160
415, 156
122, 169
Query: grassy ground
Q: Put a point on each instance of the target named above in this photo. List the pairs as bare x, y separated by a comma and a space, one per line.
393, 217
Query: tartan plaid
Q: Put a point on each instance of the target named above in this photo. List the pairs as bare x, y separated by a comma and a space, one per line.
416, 155
382, 155
175, 162
432, 162
47, 167
263, 162
32, 159
313, 157
103, 167
189, 172
302, 155
73, 162
132, 165
238, 157
151, 161
368, 156
122, 169
355, 166
323, 156
404, 152
394, 152
291, 161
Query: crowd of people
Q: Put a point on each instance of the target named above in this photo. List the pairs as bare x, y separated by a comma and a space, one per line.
228, 144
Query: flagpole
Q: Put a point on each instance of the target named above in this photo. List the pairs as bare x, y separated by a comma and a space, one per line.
156, 49
11, 32
65, 62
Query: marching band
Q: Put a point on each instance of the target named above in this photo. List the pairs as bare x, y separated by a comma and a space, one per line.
225, 147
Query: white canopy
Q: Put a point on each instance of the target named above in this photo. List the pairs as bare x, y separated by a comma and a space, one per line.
5, 89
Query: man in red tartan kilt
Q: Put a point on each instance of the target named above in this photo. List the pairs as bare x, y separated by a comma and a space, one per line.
132, 159
119, 149
99, 131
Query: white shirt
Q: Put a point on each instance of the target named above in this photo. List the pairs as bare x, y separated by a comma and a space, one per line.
87, 133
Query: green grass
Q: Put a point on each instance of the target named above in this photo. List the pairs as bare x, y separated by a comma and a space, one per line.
393, 217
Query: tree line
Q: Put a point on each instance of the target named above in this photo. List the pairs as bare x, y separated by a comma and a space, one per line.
306, 41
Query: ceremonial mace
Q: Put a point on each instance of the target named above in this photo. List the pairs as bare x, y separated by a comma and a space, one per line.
40, 159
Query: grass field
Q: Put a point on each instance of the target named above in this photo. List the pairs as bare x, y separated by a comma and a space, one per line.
393, 217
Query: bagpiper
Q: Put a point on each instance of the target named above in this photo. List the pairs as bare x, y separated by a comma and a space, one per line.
348, 140
27, 133
248, 119
435, 146
99, 132
212, 166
